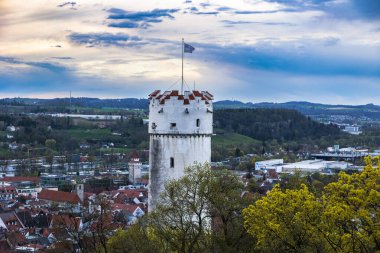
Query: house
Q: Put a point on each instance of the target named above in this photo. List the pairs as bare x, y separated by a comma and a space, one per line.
10, 221
7, 192
13, 146
132, 212
64, 200
11, 128
66, 221
130, 196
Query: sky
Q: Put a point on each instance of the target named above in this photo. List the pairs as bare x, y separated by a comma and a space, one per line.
325, 51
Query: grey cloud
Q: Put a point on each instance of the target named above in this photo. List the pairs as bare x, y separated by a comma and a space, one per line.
44, 65
67, 3
105, 39
62, 58
140, 19
231, 23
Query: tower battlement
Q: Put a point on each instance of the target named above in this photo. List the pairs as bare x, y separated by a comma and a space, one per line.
172, 113
187, 97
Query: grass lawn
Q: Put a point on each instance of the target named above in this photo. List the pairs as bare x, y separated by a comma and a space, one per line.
4, 153
84, 134
116, 150
231, 139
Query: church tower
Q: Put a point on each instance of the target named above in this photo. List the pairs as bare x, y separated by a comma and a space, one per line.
180, 129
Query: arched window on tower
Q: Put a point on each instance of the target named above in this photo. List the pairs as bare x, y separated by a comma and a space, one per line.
198, 123
171, 162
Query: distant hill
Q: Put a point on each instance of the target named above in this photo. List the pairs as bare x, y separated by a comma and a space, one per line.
361, 113
315, 110
267, 124
131, 103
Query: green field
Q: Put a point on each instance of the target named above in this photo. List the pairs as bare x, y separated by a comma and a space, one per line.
231, 139
116, 150
4, 153
85, 134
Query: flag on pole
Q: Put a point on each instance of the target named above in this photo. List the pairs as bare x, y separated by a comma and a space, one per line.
188, 48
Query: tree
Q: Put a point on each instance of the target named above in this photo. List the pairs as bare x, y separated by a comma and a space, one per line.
345, 218
87, 233
285, 221
226, 204
135, 239
50, 143
181, 219
351, 219
200, 212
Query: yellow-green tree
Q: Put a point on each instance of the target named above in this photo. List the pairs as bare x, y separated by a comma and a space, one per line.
135, 239
285, 221
352, 210
344, 219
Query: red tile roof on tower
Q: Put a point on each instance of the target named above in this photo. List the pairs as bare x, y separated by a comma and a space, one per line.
58, 196
187, 96
134, 155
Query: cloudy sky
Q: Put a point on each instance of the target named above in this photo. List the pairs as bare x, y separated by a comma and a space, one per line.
253, 50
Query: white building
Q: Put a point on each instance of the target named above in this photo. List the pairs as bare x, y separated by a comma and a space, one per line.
352, 130
275, 164
180, 128
314, 166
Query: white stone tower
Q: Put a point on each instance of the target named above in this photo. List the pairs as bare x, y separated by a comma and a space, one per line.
134, 168
180, 129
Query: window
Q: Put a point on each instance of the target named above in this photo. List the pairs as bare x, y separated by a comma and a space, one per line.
171, 162
173, 125
198, 122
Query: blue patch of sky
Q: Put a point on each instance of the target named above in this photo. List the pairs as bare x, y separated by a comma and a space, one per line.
350, 9
204, 4
282, 59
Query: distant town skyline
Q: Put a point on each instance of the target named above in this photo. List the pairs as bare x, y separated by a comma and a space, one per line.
324, 51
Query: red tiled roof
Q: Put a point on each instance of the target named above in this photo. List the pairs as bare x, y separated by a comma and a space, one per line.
66, 220
7, 188
21, 179
187, 96
130, 193
134, 155
154, 93
59, 196
174, 93
129, 208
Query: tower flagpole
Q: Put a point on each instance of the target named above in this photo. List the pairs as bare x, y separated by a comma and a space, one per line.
182, 67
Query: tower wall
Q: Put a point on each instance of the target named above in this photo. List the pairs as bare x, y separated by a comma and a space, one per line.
180, 128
